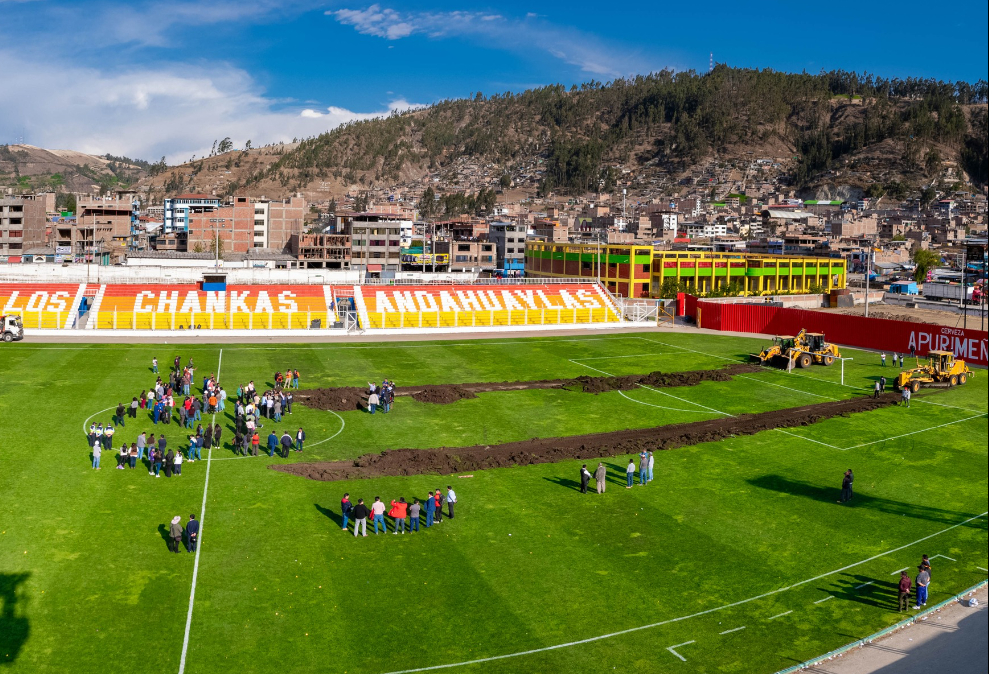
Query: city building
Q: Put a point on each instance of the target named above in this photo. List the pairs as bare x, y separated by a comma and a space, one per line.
247, 223
176, 210
102, 221
321, 251
509, 241
624, 269
469, 255
376, 241
703, 272
22, 224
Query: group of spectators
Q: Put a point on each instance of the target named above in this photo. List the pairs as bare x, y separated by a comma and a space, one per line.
402, 513
382, 396
923, 582
252, 406
646, 464
189, 534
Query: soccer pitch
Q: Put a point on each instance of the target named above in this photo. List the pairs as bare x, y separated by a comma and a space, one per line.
737, 558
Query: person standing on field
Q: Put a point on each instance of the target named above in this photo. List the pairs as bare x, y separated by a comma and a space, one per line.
97, 452
906, 396
345, 507
923, 580
451, 500
904, 593
643, 468
882, 384
154, 365
286, 441
876, 389
378, 513
652, 462
175, 534
600, 477
585, 477
440, 498
883, 357
300, 439
360, 516
399, 511
846, 486
414, 511
372, 402
191, 533
430, 509
630, 473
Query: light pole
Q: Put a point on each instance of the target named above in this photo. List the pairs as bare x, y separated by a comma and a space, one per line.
868, 273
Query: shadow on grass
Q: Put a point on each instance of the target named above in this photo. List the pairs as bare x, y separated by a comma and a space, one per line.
565, 482
14, 625
166, 536
830, 495
876, 592
334, 516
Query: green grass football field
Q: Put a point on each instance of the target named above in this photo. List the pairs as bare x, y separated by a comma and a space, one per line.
736, 558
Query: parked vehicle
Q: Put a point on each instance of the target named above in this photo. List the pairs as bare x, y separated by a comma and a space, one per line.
952, 292
903, 288
11, 328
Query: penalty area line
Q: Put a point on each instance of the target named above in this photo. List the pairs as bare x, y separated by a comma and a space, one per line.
692, 615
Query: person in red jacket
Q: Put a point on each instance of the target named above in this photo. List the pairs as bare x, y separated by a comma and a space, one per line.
399, 511
439, 507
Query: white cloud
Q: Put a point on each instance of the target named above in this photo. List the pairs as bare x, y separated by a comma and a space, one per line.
174, 110
566, 44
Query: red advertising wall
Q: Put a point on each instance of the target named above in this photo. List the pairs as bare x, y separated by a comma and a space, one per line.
869, 333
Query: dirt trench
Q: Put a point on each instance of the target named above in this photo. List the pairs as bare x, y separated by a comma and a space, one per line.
447, 460
345, 398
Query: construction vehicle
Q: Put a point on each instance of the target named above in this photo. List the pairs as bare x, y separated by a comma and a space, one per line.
11, 328
803, 349
941, 369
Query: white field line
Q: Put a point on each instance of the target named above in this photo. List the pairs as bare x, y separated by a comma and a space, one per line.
819, 601
675, 409
634, 355
199, 542
866, 584
923, 430
692, 615
954, 407
898, 570
944, 557
780, 615
343, 425
685, 643
737, 629
874, 442
649, 388
982, 569
795, 390
794, 435
85, 424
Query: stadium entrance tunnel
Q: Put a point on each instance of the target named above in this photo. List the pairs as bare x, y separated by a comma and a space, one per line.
444, 461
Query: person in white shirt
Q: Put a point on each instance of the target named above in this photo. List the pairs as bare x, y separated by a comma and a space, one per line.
178, 463
652, 460
451, 499
378, 514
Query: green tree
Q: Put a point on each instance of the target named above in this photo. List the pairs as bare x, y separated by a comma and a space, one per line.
332, 208
225, 145
925, 261
505, 181
927, 196
427, 204
361, 201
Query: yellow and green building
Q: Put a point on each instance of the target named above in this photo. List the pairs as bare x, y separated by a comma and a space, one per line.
640, 271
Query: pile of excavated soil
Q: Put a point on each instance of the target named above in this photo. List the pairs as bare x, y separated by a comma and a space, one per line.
349, 398
657, 379
549, 450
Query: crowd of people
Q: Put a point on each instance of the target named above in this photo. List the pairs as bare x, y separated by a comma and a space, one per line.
382, 396
159, 401
403, 514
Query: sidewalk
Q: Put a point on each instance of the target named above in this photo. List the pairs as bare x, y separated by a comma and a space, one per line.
956, 640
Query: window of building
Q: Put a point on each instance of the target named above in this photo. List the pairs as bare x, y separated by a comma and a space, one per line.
15, 233
463, 247
462, 258
486, 247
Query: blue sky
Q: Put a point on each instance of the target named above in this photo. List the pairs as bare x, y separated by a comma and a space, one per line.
151, 78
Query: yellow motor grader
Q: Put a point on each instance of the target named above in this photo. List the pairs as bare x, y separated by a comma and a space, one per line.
803, 349
941, 370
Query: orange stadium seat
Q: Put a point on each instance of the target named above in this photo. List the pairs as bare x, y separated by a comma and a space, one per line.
40, 305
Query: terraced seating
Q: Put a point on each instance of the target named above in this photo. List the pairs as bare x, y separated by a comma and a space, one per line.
485, 306
184, 307
40, 305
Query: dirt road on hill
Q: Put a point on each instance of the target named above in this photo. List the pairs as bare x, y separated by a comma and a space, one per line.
550, 450
345, 398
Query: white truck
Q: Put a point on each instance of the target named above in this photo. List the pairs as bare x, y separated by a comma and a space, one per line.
11, 328
953, 292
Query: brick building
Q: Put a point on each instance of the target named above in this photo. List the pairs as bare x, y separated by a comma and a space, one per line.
245, 224
22, 224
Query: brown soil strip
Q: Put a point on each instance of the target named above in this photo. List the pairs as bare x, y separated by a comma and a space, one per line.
345, 398
550, 450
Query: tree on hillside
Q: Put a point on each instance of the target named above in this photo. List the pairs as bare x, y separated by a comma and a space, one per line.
925, 261
361, 201
225, 145
427, 204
